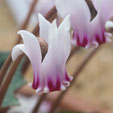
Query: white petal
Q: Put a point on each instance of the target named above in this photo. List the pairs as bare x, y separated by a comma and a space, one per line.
109, 24
74, 42
64, 35
108, 35
65, 25
78, 11
95, 44
53, 32
46, 90
97, 4
63, 88
44, 27
17, 51
53, 37
33, 50
104, 9
54, 62
108, 40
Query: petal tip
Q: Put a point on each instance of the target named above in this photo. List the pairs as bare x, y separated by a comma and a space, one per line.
13, 56
39, 90
73, 42
67, 84
109, 24
87, 46
54, 22
63, 88
108, 40
67, 18
46, 90
71, 78
95, 44
40, 16
16, 51
21, 31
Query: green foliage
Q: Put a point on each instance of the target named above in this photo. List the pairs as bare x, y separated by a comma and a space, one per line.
17, 82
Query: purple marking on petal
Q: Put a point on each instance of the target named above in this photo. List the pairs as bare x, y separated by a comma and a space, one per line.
84, 41
53, 87
58, 84
50, 84
67, 77
99, 40
35, 84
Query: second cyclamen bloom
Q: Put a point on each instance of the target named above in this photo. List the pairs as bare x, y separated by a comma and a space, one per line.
49, 74
87, 32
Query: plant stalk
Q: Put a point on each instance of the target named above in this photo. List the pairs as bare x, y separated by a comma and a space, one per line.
37, 106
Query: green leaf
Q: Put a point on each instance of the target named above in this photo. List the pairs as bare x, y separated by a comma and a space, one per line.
17, 82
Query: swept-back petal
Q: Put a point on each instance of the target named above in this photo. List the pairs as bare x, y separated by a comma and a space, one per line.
44, 27
97, 4
53, 28
104, 9
20, 49
80, 17
73, 8
53, 65
33, 51
64, 37
17, 51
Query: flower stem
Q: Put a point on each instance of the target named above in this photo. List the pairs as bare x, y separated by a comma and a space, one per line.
5, 68
36, 108
75, 75
24, 26
92, 8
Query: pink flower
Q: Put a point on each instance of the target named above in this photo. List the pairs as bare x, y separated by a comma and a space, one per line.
49, 74
87, 33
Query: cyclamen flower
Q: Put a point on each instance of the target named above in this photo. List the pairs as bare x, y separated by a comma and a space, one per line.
87, 33
49, 74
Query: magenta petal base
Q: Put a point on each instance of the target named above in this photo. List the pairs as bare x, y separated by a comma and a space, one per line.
51, 85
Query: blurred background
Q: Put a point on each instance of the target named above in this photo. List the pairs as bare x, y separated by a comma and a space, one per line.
94, 84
